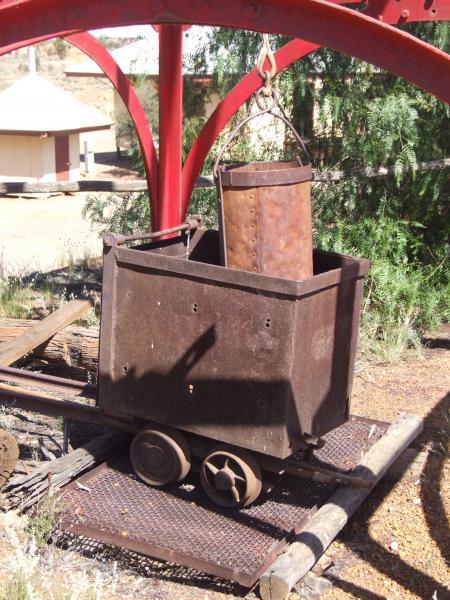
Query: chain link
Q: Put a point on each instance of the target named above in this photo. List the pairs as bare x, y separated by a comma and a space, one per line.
266, 76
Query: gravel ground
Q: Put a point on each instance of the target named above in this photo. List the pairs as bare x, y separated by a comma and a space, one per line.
395, 547
398, 545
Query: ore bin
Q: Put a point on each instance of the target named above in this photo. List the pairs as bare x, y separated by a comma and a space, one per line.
237, 357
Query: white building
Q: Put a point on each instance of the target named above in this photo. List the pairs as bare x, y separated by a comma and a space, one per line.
40, 126
140, 62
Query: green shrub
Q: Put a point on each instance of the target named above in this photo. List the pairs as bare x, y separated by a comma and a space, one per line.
125, 213
404, 294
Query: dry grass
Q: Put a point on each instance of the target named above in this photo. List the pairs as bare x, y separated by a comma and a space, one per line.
32, 570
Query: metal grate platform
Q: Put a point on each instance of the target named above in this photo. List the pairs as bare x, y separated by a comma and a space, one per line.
180, 525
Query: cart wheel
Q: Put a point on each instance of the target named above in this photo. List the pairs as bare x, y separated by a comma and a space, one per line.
9, 453
231, 477
160, 456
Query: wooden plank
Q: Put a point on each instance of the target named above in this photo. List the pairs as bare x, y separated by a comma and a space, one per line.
43, 330
24, 492
333, 176
311, 543
408, 466
140, 185
35, 187
99, 185
309, 471
73, 346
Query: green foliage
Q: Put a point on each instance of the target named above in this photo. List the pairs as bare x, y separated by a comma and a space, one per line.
203, 202
403, 294
16, 588
126, 213
61, 48
43, 521
20, 299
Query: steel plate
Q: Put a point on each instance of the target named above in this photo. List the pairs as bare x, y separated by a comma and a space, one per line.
180, 525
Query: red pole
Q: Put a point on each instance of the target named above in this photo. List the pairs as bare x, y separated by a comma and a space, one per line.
170, 124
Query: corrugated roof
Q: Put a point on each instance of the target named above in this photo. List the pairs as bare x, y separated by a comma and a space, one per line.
34, 105
141, 57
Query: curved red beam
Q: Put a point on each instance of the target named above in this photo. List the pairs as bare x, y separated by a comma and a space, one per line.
100, 55
235, 98
318, 21
400, 11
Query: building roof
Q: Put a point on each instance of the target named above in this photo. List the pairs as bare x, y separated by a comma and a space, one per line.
141, 57
35, 106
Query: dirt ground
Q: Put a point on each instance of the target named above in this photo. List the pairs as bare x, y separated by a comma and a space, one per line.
44, 232
40, 234
395, 547
412, 514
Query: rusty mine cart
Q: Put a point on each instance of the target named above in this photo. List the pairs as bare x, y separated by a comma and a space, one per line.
248, 369
229, 353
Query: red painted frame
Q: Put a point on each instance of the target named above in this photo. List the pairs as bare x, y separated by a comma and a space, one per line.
324, 22
170, 124
90, 46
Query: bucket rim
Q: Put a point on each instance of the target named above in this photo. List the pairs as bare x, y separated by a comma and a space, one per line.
291, 172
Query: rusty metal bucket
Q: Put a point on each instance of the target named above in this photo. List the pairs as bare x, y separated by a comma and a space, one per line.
265, 212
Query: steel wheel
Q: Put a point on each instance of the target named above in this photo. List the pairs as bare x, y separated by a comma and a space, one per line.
9, 453
230, 477
160, 456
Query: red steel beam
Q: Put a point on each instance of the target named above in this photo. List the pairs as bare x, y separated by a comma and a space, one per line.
90, 46
401, 11
170, 124
318, 21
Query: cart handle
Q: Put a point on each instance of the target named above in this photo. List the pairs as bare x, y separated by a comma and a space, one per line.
117, 239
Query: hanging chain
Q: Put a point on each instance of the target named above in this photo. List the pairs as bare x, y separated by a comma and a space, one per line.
266, 99
266, 53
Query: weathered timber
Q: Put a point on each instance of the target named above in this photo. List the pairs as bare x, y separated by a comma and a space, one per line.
140, 185
311, 543
73, 346
25, 491
41, 331
38, 187
408, 466
300, 468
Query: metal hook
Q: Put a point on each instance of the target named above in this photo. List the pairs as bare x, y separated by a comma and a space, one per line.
266, 52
